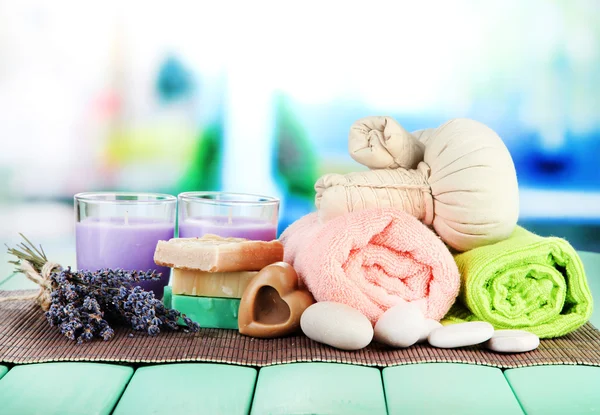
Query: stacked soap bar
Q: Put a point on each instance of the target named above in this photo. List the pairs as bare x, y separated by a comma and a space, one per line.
210, 284
211, 273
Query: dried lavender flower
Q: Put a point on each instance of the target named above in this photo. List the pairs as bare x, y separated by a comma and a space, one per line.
83, 302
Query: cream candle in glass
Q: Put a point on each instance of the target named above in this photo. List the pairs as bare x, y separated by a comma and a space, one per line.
121, 230
225, 214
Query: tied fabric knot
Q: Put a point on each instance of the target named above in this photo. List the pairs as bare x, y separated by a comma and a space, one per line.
382, 143
43, 297
407, 190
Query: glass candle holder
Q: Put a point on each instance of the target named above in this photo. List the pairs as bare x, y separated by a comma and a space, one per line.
121, 230
239, 215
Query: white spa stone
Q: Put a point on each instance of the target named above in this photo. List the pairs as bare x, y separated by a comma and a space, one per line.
400, 326
513, 341
461, 334
336, 325
428, 327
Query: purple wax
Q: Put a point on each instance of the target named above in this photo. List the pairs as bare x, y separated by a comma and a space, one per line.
228, 227
112, 243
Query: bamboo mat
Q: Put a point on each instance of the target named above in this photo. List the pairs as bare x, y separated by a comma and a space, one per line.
26, 337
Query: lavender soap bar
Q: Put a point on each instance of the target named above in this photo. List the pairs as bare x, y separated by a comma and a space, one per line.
209, 312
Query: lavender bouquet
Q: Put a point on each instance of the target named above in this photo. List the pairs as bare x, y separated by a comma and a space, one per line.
83, 304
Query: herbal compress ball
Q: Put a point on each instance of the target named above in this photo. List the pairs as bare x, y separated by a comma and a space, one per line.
465, 187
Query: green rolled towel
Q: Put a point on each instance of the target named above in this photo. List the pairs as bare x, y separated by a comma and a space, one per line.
524, 282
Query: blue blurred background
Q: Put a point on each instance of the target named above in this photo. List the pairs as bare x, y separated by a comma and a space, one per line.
259, 97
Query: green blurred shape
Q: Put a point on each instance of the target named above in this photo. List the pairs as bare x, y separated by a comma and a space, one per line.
204, 167
296, 163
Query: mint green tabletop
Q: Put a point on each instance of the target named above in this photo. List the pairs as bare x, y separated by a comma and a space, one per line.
549, 390
190, 388
3, 370
448, 388
319, 388
62, 388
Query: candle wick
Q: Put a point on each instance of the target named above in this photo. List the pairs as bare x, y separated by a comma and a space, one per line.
126, 218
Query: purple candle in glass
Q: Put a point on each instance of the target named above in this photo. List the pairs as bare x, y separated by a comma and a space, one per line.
238, 215
121, 230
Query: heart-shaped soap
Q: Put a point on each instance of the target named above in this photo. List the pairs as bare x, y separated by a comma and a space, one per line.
272, 303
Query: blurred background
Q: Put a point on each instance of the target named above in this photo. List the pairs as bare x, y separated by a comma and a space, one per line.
259, 97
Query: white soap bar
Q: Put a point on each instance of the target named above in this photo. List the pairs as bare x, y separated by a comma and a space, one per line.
400, 326
336, 325
429, 326
461, 335
513, 341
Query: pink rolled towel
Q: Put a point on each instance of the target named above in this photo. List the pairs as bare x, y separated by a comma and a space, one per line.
372, 260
